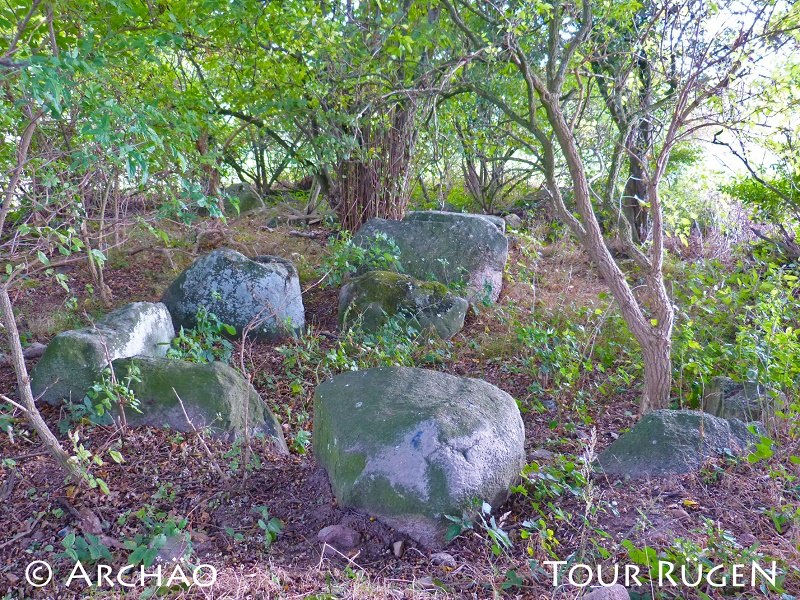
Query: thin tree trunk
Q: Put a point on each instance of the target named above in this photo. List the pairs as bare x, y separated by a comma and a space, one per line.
24, 389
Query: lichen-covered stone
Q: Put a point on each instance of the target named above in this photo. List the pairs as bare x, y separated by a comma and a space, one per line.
747, 401
375, 296
445, 216
213, 394
451, 248
249, 199
674, 442
74, 358
412, 445
238, 290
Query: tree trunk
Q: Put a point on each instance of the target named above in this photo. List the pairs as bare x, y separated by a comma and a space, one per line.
24, 390
656, 351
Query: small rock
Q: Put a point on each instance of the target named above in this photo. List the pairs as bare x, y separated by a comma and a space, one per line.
541, 454
340, 537
443, 559
614, 592
513, 221
425, 582
399, 548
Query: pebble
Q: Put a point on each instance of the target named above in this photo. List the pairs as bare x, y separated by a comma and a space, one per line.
614, 592
443, 559
339, 536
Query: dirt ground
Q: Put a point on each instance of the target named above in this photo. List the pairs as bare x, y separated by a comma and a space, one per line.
172, 474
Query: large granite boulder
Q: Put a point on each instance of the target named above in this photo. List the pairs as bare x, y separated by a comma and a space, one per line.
238, 290
213, 394
674, 442
452, 248
747, 401
410, 446
376, 296
73, 359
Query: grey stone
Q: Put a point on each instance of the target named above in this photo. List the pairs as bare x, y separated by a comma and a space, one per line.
443, 559
376, 296
613, 592
670, 442
74, 359
238, 290
513, 221
213, 394
446, 216
249, 199
746, 401
410, 446
452, 248
340, 537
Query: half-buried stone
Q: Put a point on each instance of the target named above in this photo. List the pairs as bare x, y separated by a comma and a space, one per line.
674, 442
411, 446
239, 290
214, 395
451, 248
374, 297
73, 359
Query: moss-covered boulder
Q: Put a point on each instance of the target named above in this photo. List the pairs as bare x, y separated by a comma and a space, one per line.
74, 358
458, 250
239, 290
214, 396
747, 400
410, 446
375, 296
674, 442
248, 199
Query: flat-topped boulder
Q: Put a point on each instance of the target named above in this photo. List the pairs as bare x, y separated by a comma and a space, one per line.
238, 290
374, 297
73, 359
411, 446
460, 250
674, 442
214, 395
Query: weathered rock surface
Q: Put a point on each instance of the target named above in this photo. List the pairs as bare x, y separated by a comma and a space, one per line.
673, 442
213, 394
746, 401
451, 248
612, 592
513, 221
248, 198
74, 359
238, 290
410, 446
340, 537
376, 296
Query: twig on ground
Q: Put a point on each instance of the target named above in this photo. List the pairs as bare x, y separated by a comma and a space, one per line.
207, 450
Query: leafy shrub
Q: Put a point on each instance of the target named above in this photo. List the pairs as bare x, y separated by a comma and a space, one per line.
204, 343
104, 395
346, 258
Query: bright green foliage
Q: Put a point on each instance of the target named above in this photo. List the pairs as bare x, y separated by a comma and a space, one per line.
270, 526
346, 258
204, 343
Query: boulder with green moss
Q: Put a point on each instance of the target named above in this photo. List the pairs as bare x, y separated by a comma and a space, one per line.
463, 251
411, 446
264, 290
214, 395
74, 358
376, 296
246, 198
674, 442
